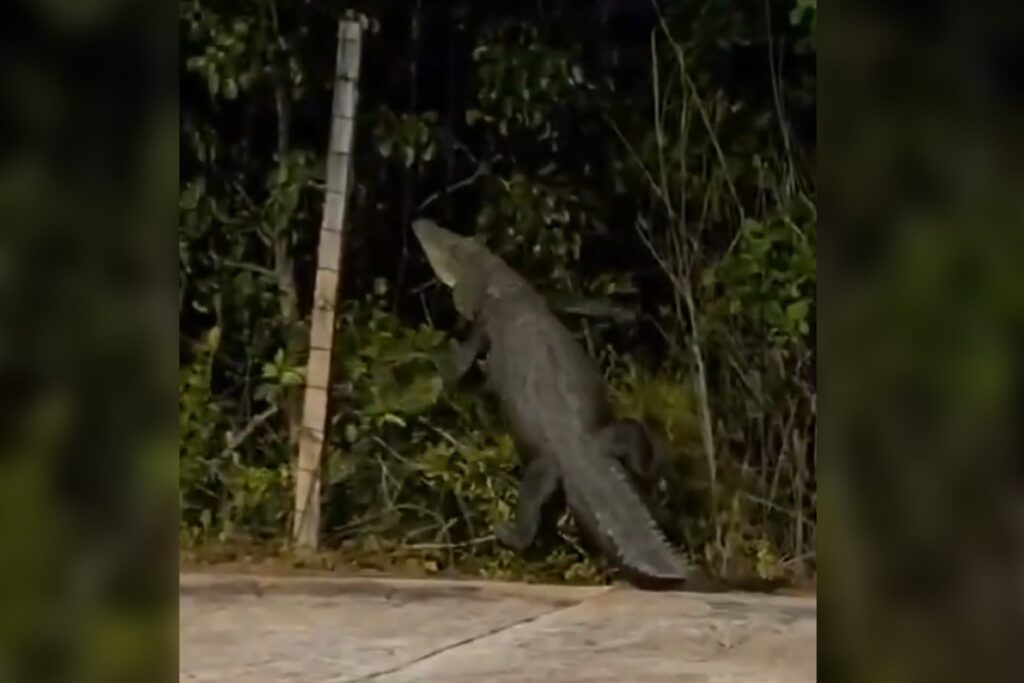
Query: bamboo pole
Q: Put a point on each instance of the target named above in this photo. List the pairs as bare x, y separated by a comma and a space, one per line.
306, 521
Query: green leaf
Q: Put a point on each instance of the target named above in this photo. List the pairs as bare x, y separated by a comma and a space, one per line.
393, 419
213, 81
293, 377
351, 433
192, 193
797, 311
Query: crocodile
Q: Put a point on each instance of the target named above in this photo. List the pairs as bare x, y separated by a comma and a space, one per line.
553, 396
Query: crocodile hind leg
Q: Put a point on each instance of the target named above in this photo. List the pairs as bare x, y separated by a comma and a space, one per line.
631, 443
644, 452
539, 483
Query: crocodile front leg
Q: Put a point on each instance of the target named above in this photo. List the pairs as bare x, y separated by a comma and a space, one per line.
539, 483
463, 354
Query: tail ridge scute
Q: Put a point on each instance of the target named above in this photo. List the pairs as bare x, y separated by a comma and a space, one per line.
641, 548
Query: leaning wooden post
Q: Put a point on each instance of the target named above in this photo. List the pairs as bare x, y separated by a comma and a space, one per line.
306, 527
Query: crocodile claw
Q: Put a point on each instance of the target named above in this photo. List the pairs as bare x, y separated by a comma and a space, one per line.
507, 536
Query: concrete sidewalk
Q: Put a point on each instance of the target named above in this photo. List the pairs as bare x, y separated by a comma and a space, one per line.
236, 628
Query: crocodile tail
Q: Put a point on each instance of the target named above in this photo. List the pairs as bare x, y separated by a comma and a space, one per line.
610, 509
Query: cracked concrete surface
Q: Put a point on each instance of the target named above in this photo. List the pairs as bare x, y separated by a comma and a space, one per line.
253, 629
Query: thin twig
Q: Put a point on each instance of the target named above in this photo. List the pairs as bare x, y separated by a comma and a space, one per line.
445, 435
408, 177
449, 546
636, 158
642, 231
384, 475
442, 530
386, 446
746, 383
776, 507
658, 132
465, 182
685, 259
776, 96
419, 289
338, 532
251, 267
426, 309
700, 109
236, 440
800, 558
786, 428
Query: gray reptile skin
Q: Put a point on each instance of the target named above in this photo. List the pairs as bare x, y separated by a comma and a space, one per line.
554, 398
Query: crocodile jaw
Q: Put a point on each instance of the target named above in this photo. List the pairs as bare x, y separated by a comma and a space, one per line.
442, 249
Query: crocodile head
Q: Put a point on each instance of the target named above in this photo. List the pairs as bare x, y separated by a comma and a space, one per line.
450, 255
461, 263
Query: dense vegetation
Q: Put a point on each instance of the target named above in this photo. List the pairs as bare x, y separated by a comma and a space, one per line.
652, 171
